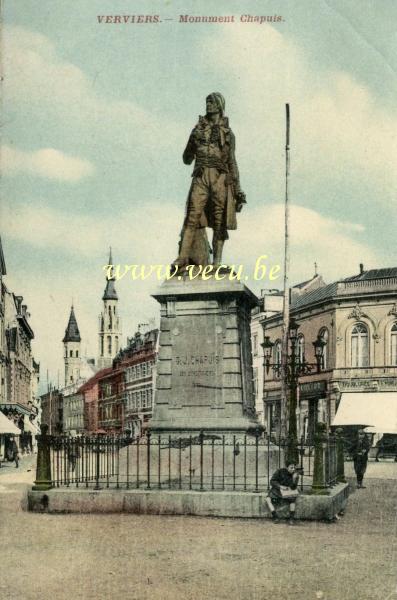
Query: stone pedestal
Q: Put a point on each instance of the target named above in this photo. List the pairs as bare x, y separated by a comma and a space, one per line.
204, 374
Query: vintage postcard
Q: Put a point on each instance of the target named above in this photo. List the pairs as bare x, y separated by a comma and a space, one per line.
198, 341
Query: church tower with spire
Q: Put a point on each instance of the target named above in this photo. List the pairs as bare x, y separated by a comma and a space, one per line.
109, 323
72, 356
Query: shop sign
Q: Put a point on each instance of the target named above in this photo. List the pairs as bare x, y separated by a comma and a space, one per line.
312, 388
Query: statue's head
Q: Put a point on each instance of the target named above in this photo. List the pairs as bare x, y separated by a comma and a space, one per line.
215, 103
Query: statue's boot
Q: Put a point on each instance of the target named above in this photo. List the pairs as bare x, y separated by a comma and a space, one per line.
217, 248
186, 245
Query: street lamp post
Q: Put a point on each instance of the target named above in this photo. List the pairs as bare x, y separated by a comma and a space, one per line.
295, 367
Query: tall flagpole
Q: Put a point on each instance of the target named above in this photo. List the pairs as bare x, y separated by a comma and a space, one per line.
284, 345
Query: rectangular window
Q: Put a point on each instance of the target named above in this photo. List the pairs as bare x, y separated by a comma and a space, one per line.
393, 346
255, 344
255, 370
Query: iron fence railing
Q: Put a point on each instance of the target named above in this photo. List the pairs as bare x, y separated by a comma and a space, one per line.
202, 462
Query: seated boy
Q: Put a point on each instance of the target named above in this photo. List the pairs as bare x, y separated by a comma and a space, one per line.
282, 482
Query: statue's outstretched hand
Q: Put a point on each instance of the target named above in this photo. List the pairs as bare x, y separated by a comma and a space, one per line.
240, 201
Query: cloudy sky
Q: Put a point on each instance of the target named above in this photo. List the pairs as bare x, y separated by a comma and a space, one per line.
96, 116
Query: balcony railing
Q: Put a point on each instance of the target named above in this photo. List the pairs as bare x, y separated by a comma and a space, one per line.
347, 287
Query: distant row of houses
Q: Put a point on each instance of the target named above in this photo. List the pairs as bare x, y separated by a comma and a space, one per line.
113, 400
112, 393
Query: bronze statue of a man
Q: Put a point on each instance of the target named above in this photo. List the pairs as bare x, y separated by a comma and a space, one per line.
215, 194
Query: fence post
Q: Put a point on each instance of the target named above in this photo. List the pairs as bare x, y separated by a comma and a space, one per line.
201, 438
257, 434
319, 468
43, 466
97, 448
148, 460
340, 456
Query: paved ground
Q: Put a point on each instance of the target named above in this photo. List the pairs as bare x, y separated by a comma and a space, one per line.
185, 558
25, 463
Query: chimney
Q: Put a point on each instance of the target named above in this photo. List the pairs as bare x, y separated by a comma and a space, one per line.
361, 268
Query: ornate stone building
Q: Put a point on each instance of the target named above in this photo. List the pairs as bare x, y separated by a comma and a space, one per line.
356, 318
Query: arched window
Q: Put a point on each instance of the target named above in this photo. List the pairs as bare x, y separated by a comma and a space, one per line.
71, 353
323, 335
359, 346
300, 350
109, 344
77, 353
393, 345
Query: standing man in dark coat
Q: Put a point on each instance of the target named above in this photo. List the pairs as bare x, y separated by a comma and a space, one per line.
14, 451
215, 194
359, 452
283, 482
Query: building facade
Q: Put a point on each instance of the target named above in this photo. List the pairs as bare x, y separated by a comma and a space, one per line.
19, 371
73, 413
111, 401
126, 392
140, 381
270, 302
356, 318
52, 411
90, 392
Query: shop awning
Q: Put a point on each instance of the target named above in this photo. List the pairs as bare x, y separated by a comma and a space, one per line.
29, 426
7, 426
377, 410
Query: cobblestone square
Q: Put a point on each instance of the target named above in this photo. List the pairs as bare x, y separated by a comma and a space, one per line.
95, 557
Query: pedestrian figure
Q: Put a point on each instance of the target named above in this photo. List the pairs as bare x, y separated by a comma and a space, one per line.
359, 452
14, 452
283, 490
73, 454
387, 445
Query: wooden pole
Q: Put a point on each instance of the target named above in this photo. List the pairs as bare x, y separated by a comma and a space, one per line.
284, 344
